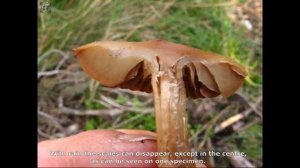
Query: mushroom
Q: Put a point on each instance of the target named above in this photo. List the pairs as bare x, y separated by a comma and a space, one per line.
173, 72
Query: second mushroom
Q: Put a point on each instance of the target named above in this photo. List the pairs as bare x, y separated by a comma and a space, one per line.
173, 72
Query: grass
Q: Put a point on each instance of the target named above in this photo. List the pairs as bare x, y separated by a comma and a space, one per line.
249, 141
207, 25
207, 28
131, 120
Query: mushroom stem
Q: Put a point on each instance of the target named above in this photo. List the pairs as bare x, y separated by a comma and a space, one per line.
171, 126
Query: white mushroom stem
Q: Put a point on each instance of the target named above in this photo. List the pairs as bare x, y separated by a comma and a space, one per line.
171, 123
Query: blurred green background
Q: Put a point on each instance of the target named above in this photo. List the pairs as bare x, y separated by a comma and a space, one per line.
70, 102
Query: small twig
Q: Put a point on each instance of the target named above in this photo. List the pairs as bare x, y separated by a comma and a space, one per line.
210, 124
110, 103
129, 120
48, 73
253, 107
228, 122
118, 91
52, 119
256, 120
72, 80
46, 54
233, 119
239, 161
52, 72
41, 133
105, 104
58, 66
71, 111
230, 3
93, 86
62, 61
210, 148
155, 12
116, 121
110, 112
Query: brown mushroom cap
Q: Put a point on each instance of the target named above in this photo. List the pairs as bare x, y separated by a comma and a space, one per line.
129, 65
